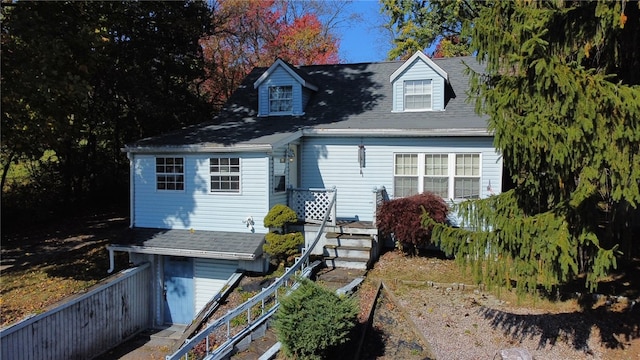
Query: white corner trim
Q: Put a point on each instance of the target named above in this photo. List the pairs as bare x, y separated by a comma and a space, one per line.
419, 55
288, 69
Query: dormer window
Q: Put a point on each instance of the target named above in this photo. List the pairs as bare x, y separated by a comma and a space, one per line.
419, 84
417, 95
280, 99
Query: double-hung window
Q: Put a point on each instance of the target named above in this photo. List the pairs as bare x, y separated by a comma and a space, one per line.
467, 176
417, 95
406, 175
436, 174
169, 173
225, 174
280, 99
449, 175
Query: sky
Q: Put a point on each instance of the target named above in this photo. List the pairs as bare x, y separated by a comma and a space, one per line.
364, 40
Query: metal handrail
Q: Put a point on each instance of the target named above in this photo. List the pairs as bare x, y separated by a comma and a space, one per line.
301, 264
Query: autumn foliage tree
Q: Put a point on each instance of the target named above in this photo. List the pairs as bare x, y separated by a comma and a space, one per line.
250, 33
402, 218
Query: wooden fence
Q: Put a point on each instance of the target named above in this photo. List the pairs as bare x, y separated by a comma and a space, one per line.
86, 326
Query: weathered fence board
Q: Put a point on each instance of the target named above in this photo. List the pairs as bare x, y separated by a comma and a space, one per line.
87, 325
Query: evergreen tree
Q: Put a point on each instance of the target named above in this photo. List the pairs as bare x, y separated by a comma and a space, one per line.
561, 89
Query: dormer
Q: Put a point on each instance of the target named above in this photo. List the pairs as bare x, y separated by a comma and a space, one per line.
283, 90
419, 85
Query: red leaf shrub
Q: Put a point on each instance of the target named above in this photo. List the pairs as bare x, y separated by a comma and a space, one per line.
403, 218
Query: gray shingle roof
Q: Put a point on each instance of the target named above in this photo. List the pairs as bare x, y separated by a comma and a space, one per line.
198, 243
350, 97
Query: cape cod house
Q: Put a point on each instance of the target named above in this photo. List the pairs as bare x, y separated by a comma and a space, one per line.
298, 136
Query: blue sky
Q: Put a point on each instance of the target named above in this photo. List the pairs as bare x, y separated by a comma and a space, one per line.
364, 40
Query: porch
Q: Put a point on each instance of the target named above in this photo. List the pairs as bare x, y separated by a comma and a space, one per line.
345, 242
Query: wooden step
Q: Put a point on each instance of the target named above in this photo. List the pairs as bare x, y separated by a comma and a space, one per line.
364, 242
357, 252
345, 262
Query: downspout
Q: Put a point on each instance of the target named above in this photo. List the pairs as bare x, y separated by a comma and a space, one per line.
131, 190
112, 263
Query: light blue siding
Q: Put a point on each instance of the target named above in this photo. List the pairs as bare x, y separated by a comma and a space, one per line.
279, 77
278, 168
328, 162
210, 277
195, 207
419, 70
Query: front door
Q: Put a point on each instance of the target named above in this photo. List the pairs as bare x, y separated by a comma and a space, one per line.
178, 290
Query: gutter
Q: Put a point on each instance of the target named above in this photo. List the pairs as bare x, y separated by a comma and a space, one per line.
399, 132
177, 252
214, 148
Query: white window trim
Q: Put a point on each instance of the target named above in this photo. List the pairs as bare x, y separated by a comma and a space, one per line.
453, 176
404, 96
451, 163
239, 174
184, 171
289, 112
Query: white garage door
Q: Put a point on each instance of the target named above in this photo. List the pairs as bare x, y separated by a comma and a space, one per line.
210, 277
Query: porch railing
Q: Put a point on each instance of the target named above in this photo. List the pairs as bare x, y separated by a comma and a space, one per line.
380, 197
313, 205
267, 301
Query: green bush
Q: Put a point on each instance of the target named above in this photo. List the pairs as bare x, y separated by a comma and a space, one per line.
279, 216
283, 247
312, 322
280, 244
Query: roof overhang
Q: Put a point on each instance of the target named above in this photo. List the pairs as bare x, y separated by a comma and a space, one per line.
267, 146
449, 132
182, 252
209, 148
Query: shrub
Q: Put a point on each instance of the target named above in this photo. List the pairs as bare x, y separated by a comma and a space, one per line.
279, 216
403, 218
280, 244
312, 322
283, 247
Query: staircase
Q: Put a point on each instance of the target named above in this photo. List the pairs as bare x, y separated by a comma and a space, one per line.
348, 250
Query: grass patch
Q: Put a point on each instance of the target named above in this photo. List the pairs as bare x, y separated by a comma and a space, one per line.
431, 269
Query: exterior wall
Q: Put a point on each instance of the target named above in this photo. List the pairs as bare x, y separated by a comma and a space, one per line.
419, 71
279, 77
210, 277
196, 207
328, 162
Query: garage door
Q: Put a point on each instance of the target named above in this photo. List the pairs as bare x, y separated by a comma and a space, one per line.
210, 277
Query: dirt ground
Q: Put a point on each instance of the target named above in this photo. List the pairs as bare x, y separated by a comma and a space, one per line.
466, 322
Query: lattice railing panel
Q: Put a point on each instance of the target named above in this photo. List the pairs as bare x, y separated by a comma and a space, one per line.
311, 205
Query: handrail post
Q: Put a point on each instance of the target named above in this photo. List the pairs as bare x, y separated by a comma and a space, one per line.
333, 210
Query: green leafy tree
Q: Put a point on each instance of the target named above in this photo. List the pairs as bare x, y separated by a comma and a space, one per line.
418, 25
562, 92
81, 79
312, 322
